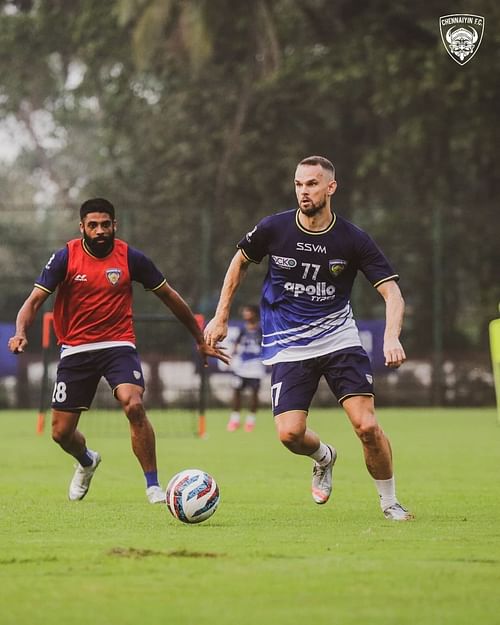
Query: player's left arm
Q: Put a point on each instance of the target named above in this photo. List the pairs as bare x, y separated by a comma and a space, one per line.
143, 270
180, 308
394, 312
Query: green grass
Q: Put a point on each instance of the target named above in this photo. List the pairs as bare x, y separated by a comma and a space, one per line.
269, 555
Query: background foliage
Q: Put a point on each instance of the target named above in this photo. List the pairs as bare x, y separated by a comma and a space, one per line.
190, 115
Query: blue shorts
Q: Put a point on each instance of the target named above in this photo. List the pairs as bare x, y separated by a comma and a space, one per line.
79, 374
348, 372
240, 384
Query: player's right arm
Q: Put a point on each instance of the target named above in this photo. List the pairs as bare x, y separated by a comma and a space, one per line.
25, 318
52, 274
216, 329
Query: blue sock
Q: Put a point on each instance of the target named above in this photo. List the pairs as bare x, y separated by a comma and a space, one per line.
86, 459
151, 478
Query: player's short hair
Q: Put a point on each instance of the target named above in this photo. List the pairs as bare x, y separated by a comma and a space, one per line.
97, 205
319, 160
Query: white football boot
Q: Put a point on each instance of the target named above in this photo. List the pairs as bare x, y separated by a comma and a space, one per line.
396, 512
82, 477
322, 481
155, 494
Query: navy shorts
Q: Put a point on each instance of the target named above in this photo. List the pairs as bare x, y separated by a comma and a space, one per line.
240, 384
79, 374
348, 372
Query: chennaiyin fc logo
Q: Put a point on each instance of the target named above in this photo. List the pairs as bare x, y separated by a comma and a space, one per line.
337, 266
113, 275
462, 35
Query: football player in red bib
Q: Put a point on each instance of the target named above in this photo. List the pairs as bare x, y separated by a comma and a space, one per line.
92, 277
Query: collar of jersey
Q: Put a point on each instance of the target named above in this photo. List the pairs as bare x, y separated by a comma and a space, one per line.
313, 232
87, 251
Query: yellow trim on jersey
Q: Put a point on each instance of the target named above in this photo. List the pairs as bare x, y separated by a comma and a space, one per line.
314, 232
42, 288
86, 249
394, 277
158, 287
257, 262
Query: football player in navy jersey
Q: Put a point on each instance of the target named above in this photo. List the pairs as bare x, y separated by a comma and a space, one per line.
247, 368
308, 329
93, 324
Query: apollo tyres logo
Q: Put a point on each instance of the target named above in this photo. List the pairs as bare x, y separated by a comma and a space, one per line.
318, 292
461, 34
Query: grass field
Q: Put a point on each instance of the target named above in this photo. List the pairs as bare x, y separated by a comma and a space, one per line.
269, 555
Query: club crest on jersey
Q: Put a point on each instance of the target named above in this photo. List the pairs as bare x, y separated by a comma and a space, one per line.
337, 266
113, 275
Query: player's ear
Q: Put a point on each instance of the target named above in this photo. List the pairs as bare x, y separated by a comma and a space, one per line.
81, 227
332, 187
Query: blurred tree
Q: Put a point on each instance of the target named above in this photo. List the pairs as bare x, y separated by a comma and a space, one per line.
191, 115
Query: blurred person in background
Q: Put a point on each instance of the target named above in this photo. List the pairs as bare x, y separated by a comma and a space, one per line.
247, 368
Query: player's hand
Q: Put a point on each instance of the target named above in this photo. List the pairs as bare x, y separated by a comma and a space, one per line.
215, 331
17, 344
206, 350
394, 353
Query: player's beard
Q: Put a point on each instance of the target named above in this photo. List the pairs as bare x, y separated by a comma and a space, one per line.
100, 246
313, 209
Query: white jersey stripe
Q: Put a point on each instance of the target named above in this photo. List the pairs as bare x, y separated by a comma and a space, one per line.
68, 350
318, 322
312, 331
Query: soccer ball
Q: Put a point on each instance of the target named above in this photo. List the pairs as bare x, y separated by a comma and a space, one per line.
192, 496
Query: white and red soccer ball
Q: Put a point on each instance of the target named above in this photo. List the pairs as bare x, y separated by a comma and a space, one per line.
192, 496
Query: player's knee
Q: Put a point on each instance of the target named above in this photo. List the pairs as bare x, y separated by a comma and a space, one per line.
60, 435
134, 409
368, 430
290, 437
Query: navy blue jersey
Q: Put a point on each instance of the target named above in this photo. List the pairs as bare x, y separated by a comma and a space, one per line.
305, 304
247, 362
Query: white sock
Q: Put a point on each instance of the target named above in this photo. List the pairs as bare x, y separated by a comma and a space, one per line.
322, 455
387, 492
234, 416
250, 418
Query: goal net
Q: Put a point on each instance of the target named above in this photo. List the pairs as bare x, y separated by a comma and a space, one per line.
175, 381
